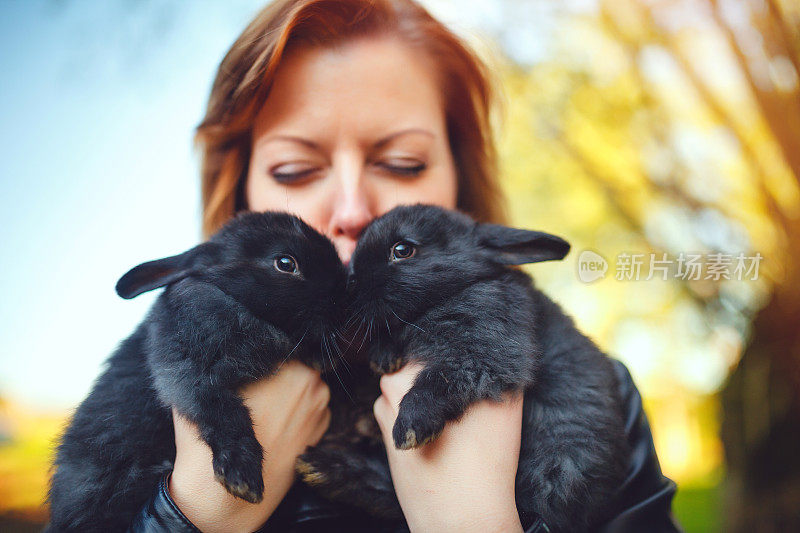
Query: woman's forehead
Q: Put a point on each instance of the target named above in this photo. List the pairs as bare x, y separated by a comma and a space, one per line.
365, 87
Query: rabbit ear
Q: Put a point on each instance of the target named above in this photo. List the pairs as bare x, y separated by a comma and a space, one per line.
512, 246
154, 274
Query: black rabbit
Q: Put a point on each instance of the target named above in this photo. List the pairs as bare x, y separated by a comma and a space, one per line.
433, 286
264, 288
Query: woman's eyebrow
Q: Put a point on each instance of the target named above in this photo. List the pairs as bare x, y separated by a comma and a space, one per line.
291, 138
396, 134
311, 144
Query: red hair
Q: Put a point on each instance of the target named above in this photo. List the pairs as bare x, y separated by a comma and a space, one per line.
246, 74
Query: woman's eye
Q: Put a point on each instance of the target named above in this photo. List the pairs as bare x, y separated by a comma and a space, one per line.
403, 166
286, 263
292, 172
403, 250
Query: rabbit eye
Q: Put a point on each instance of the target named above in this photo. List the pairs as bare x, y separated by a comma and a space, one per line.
286, 263
403, 250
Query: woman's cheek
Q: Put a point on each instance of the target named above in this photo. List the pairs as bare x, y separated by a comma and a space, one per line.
309, 201
435, 189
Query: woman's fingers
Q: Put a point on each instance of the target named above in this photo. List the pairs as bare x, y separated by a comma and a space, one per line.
465, 479
294, 378
289, 411
322, 427
384, 414
395, 386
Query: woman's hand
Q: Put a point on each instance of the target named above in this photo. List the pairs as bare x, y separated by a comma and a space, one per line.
289, 412
464, 480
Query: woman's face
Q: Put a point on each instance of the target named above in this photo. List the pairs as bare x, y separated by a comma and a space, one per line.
348, 133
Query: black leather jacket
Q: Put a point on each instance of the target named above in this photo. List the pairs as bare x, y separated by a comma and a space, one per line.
642, 503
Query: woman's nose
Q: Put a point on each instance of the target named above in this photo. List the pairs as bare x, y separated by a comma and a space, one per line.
352, 207
351, 214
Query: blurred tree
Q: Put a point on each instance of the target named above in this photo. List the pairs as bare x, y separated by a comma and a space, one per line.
674, 126
761, 400
761, 407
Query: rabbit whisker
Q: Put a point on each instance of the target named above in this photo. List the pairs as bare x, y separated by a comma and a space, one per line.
369, 329
406, 322
341, 336
293, 349
353, 317
364, 336
333, 367
339, 352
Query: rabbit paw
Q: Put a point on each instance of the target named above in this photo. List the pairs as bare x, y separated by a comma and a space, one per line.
386, 363
415, 427
240, 473
350, 478
308, 471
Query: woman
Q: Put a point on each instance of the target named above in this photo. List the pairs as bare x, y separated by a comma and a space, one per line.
338, 110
